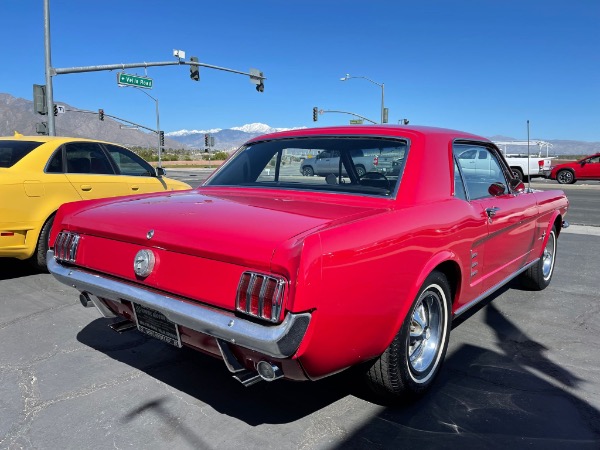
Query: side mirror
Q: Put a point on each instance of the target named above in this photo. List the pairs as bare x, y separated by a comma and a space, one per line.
517, 186
160, 172
496, 189
583, 163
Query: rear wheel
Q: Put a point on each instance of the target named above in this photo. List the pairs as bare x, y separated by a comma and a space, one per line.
565, 177
409, 365
517, 173
308, 171
38, 259
538, 276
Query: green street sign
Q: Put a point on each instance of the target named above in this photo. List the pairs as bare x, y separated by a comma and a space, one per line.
134, 80
356, 122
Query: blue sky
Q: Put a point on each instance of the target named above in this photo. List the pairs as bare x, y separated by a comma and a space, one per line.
483, 66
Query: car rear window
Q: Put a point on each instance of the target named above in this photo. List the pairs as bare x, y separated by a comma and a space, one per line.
364, 165
11, 152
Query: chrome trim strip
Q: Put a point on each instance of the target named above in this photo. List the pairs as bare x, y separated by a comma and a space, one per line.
277, 341
487, 293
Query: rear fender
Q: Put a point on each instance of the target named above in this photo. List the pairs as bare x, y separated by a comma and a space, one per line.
438, 259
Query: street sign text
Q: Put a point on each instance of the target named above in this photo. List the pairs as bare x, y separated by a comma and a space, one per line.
134, 80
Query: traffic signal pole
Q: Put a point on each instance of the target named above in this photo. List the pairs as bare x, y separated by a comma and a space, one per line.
256, 77
48, 68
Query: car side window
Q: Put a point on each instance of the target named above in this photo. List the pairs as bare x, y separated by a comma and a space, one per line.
55, 165
87, 157
479, 177
128, 162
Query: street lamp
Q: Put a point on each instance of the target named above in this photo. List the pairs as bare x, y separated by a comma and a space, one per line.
381, 85
157, 123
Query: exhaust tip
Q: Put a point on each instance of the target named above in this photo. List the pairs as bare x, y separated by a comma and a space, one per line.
268, 371
247, 378
85, 300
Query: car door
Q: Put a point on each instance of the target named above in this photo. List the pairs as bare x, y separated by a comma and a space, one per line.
138, 176
326, 163
90, 171
590, 169
467, 158
510, 219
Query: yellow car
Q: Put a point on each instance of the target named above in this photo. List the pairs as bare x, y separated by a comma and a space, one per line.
38, 174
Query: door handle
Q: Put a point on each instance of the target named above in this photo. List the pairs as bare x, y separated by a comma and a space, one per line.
86, 187
135, 188
491, 212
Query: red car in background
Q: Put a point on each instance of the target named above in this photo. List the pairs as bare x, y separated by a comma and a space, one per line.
284, 275
587, 168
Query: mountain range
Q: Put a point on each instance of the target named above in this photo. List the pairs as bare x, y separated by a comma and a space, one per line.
17, 114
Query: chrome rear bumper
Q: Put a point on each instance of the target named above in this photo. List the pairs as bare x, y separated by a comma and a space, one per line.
277, 341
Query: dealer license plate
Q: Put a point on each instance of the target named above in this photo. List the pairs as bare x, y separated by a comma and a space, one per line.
155, 324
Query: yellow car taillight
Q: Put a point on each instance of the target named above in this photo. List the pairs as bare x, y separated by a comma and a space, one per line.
260, 295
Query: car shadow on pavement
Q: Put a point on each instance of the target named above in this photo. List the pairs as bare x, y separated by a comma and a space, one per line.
515, 397
512, 395
207, 379
14, 268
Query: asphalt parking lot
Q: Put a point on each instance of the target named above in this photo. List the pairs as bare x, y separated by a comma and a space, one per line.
522, 372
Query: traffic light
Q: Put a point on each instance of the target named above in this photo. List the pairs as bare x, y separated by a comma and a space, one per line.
162, 138
315, 114
39, 99
194, 70
206, 137
101, 114
55, 110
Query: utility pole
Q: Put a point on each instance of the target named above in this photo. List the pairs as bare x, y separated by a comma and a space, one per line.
256, 76
48, 64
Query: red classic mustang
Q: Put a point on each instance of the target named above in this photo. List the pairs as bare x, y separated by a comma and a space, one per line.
285, 275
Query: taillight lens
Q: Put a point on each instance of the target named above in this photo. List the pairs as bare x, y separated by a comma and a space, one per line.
65, 246
541, 163
376, 160
260, 295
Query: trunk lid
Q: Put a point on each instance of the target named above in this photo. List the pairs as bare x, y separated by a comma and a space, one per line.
240, 227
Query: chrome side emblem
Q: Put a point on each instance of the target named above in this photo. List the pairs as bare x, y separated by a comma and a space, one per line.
149, 234
143, 263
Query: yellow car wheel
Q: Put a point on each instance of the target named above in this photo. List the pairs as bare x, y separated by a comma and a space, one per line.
38, 259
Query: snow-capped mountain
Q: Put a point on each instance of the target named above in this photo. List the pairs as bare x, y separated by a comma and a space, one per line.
226, 140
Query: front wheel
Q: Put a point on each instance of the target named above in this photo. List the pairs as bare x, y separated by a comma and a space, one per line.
565, 177
409, 365
308, 171
538, 276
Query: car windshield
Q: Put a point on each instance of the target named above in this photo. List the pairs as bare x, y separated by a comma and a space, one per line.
11, 152
356, 165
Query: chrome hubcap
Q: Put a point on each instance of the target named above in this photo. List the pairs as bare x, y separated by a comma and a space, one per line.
425, 332
548, 257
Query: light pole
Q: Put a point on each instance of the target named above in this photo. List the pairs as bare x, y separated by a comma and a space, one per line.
157, 123
381, 85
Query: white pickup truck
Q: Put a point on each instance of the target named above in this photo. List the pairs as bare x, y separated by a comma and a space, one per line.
537, 167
